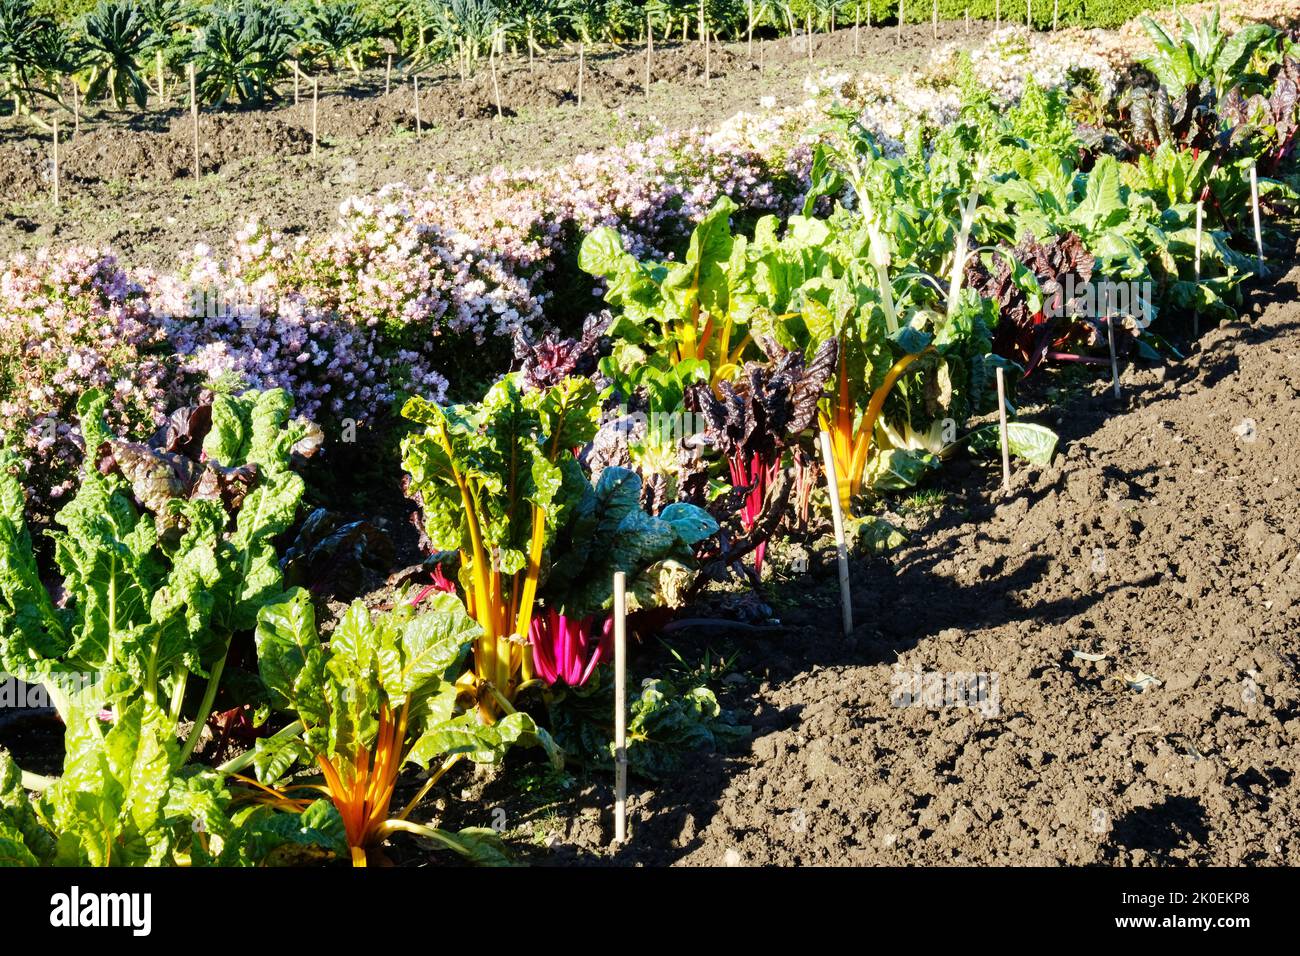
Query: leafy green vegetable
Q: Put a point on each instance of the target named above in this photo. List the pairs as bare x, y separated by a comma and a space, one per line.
381, 694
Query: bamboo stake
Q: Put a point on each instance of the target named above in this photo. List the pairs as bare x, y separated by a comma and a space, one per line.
56, 162
158, 69
582, 68
194, 115
1056, 13
496, 90
1259, 233
315, 98
837, 521
294, 64
649, 51
415, 81
749, 28
1196, 312
620, 707
1029, 14
76, 110
1002, 428
934, 18
388, 76
1114, 360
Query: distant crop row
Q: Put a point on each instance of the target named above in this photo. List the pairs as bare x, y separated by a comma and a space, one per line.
130, 51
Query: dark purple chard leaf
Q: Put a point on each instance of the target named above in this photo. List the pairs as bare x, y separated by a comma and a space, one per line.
1059, 266
552, 359
771, 405
185, 429
228, 485
335, 558
155, 477
757, 418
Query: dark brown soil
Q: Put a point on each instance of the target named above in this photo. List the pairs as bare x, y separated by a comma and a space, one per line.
126, 183
1163, 539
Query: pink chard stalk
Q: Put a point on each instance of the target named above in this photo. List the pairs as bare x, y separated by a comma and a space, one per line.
567, 650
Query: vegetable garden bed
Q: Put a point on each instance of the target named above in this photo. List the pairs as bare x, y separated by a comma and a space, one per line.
305, 575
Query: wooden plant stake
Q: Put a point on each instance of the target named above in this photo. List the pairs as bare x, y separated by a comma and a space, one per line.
415, 81
315, 100
496, 90
934, 18
1259, 233
837, 520
194, 115
1029, 14
388, 75
582, 69
1002, 429
1114, 360
76, 110
649, 51
294, 64
899, 35
620, 707
1196, 312
749, 28
56, 162
1056, 14
158, 70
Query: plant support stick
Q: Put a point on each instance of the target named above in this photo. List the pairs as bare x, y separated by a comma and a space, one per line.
388, 75
1196, 310
194, 115
620, 707
1114, 361
315, 98
1002, 430
496, 90
1259, 234
649, 50
415, 85
56, 162
837, 520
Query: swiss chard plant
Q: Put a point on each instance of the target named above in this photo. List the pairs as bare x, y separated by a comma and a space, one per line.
380, 694
495, 481
164, 554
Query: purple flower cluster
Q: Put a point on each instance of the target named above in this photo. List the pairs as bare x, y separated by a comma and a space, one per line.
69, 322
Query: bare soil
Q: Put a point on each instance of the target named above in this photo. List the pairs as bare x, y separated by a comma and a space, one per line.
1162, 541
126, 181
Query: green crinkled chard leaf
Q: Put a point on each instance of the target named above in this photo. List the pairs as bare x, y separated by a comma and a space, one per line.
1033, 443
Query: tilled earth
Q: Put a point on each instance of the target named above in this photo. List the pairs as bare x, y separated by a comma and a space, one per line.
1163, 542
127, 182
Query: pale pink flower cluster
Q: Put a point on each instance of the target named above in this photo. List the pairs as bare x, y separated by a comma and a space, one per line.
69, 322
